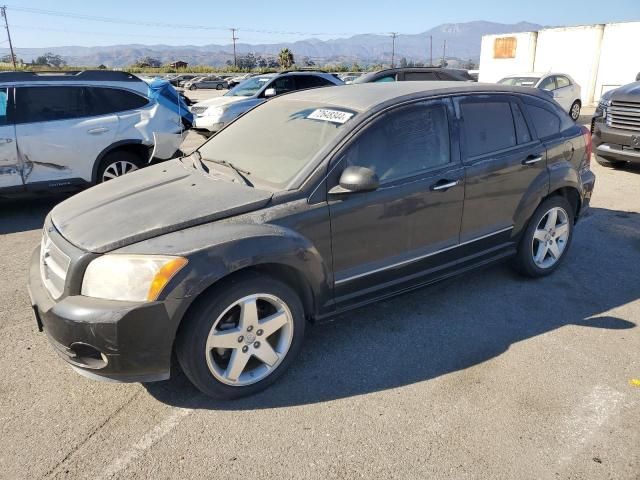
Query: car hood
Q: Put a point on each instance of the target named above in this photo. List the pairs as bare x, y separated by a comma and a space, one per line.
153, 201
219, 101
627, 93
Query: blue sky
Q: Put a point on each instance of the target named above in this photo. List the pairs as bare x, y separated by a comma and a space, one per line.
270, 20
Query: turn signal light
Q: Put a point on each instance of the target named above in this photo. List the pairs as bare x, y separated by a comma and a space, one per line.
164, 275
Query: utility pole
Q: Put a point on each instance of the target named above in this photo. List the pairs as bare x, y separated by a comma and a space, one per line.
431, 50
393, 48
444, 49
234, 38
6, 25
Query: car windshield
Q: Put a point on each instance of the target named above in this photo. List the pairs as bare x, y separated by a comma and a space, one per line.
248, 88
520, 81
274, 142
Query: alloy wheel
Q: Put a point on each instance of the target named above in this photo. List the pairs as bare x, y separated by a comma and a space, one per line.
550, 238
117, 169
575, 111
249, 340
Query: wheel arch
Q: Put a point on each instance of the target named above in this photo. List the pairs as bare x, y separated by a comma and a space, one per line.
135, 146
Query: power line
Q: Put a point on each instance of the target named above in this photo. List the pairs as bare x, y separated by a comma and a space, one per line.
6, 24
96, 18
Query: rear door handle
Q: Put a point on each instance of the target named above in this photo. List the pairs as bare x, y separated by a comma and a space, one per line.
532, 160
444, 185
97, 130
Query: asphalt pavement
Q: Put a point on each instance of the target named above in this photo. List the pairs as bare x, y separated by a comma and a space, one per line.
488, 375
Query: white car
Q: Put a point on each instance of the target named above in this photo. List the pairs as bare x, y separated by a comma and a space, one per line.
564, 89
61, 132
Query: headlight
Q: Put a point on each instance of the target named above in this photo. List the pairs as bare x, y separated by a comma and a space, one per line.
134, 278
214, 112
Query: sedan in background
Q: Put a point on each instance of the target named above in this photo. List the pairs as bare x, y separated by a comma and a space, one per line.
206, 83
561, 86
409, 74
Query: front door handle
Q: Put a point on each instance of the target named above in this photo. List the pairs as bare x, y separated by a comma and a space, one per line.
532, 160
97, 130
444, 185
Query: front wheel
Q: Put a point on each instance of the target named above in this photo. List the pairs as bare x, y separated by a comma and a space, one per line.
574, 111
219, 86
242, 336
192, 87
546, 240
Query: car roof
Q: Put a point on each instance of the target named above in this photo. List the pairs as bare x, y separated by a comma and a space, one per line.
365, 96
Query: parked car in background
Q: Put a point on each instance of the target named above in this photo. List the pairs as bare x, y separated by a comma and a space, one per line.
233, 81
348, 79
213, 114
308, 206
616, 126
415, 74
178, 79
61, 132
561, 86
209, 82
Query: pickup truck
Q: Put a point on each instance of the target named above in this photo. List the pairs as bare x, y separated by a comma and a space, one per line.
615, 127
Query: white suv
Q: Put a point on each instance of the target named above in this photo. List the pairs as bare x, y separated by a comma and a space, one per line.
63, 131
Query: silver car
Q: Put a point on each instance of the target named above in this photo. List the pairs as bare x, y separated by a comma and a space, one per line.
206, 82
561, 86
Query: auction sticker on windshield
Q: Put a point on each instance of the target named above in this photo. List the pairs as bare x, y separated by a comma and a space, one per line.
334, 116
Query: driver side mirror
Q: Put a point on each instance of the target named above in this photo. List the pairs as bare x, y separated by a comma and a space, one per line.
270, 92
356, 179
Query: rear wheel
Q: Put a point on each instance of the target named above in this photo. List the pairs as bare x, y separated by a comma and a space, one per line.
546, 240
219, 86
118, 163
241, 337
575, 110
192, 87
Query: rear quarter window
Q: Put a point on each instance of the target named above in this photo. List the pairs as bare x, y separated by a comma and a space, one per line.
103, 101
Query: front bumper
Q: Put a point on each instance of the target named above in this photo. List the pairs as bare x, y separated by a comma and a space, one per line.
207, 123
111, 340
614, 144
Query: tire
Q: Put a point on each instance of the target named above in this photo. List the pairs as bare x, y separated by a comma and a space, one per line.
118, 163
219, 86
574, 111
192, 87
209, 367
610, 163
532, 259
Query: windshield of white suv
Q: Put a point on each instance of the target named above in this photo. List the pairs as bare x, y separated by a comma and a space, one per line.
277, 140
249, 87
520, 81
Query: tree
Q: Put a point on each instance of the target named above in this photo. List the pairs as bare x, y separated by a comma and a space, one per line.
50, 60
146, 62
469, 65
307, 62
285, 58
247, 62
9, 59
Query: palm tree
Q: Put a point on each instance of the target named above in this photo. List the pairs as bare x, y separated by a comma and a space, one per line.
285, 57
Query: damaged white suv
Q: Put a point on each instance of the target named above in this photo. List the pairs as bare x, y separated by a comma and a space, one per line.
68, 130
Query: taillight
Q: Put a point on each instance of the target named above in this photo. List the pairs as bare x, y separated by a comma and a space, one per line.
586, 134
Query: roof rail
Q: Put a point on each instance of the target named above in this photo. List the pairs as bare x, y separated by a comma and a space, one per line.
307, 70
88, 75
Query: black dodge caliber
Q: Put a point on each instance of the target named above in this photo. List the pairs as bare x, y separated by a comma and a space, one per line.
311, 204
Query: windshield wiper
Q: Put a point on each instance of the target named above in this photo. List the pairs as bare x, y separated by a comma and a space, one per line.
240, 173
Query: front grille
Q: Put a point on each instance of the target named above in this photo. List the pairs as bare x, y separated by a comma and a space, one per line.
54, 265
198, 110
624, 115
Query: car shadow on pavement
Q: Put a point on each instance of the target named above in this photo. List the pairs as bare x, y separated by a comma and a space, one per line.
26, 213
452, 326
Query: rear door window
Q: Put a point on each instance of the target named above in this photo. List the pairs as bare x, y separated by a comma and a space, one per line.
562, 82
103, 101
418, 76
545, 121
45, 104
487, 126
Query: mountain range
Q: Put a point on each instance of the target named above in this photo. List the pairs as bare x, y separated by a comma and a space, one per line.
462, 42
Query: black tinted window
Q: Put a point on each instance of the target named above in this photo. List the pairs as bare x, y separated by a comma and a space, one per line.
416, 76
310, 81
522, 130
111, 100
545, 122
403, 142
283, 85
43, 104
487, 126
